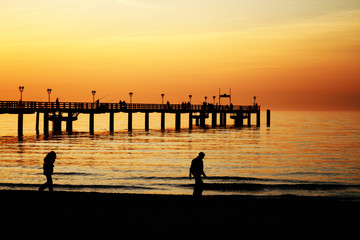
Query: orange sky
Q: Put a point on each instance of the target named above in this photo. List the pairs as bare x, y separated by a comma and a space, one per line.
300, 55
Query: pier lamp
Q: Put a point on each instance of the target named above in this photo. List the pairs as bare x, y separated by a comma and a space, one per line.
162, 98
214, 99
254, 100
21, 89
93, 94
190, 96
206, 99
131, 94
49, 92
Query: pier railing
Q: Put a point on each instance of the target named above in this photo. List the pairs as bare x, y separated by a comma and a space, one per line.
84, 106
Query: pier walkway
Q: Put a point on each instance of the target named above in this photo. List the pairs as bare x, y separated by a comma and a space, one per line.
68, 112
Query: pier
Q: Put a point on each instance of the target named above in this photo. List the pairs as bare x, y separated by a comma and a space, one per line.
58, 112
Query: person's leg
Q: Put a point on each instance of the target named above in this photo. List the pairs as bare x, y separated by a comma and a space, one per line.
49, 182
199, 186
45, 185
42, 187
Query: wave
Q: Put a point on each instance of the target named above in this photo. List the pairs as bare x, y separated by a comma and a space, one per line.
232, 179
212, 178
70, 186
68, 173
218, 179
264, 187
72, 173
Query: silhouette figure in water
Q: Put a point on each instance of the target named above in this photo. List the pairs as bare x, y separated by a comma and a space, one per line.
197, 169
48, 168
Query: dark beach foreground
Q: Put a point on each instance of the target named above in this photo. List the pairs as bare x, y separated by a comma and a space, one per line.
81, 215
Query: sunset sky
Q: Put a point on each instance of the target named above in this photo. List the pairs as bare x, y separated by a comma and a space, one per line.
291, 54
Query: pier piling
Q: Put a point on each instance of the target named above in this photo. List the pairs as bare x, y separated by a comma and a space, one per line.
111, 122
69, 123
162, 121
239, 119
56, 122
202, 119
46, 123
129, 121
258, 118
213, 119
91, 124
190, 120
146, 121
223, 119
177, 120
37, 123
268, 118
20, 124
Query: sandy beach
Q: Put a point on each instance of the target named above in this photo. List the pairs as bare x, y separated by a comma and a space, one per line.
136, 216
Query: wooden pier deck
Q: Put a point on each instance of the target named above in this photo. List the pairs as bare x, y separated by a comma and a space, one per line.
58, 112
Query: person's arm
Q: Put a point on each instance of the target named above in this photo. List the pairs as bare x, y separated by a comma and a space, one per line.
202, 169
190, 174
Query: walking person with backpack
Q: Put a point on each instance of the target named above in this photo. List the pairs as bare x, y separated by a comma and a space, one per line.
196, 170
48, 169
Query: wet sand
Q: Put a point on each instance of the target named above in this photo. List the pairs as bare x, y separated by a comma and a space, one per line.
80, 215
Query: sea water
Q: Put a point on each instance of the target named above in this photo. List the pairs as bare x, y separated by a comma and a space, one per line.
301, 153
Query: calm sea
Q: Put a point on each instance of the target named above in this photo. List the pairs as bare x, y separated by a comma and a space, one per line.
302, 153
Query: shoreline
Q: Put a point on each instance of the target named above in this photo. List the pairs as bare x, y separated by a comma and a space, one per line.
240, 188
114, 215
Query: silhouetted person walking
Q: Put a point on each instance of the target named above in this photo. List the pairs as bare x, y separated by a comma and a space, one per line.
197, 169
48, 168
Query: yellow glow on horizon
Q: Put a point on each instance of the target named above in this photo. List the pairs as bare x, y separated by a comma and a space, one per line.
151, 47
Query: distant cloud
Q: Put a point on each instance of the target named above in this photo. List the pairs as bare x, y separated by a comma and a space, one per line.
265, 67
139, 4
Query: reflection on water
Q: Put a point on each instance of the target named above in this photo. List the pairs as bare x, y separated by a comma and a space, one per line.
301, 153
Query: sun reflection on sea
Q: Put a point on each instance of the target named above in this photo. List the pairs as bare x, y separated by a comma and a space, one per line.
296, 155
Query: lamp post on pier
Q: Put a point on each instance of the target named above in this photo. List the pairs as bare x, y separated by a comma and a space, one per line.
20, 115
205, 99
214, 99
93, 94
190, 96
49, 92
131, 94
162, 98
21, 89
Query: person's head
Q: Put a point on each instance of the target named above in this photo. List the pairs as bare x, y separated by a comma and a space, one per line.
51, 155
201, 155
